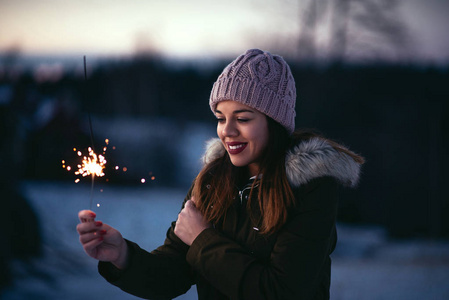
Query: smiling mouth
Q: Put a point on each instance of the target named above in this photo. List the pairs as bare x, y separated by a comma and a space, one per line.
236, 148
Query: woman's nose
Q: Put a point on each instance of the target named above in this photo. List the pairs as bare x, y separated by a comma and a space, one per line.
229, 129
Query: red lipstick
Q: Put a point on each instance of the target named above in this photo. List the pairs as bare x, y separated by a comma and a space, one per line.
236, 147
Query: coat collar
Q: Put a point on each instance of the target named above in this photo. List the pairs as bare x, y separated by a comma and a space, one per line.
307, 160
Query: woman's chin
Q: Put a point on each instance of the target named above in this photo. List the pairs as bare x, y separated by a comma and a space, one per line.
238, 163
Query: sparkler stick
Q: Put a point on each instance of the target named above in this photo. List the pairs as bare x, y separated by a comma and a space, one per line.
92, 164
91, 139
88, 112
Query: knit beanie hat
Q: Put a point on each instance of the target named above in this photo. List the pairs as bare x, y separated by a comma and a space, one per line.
262, 81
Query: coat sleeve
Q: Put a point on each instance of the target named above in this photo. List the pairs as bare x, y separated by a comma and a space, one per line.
161, 274
299, 265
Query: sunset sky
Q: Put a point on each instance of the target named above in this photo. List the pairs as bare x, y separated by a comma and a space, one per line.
188, 28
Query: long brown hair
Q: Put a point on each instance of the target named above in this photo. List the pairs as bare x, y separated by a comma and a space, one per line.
217, 183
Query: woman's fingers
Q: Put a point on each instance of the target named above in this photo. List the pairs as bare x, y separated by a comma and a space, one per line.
87, 237
190, 204
190, 223
91, 246
86, 216
99, 240
87, 227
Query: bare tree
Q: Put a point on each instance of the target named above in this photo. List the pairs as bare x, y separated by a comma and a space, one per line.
338, 29
334, 30
366, 29
379, 30
307, 43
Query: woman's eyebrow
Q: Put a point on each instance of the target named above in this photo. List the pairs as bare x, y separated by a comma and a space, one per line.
236, 111
242, 111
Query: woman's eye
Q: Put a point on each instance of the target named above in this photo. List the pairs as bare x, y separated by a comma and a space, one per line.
220, 120
243, 120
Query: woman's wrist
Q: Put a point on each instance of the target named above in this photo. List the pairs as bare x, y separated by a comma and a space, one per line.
122, 260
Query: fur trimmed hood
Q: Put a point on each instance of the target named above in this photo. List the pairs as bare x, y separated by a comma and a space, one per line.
307, 160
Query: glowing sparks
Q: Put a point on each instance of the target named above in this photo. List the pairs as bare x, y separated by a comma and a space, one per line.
95, 164
91, 165
143, 180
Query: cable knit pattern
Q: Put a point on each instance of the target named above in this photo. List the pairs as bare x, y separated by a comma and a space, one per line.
307, 160
262, 81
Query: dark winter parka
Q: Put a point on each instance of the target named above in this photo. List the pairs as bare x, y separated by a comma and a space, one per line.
233, 260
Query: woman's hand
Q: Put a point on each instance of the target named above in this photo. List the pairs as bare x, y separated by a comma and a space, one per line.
101, 241
190, 223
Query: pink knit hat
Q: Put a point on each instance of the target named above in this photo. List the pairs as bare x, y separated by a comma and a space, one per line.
261, 81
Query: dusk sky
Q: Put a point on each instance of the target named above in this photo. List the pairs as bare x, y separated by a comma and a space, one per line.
192, 28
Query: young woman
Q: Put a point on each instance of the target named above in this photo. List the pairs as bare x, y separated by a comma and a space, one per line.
259, 220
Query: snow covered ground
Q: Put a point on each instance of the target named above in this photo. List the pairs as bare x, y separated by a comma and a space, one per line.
366, 264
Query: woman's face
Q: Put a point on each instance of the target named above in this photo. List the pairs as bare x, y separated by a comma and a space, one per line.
243, 132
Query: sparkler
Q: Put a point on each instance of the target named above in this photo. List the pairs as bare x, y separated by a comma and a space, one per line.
93, 163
